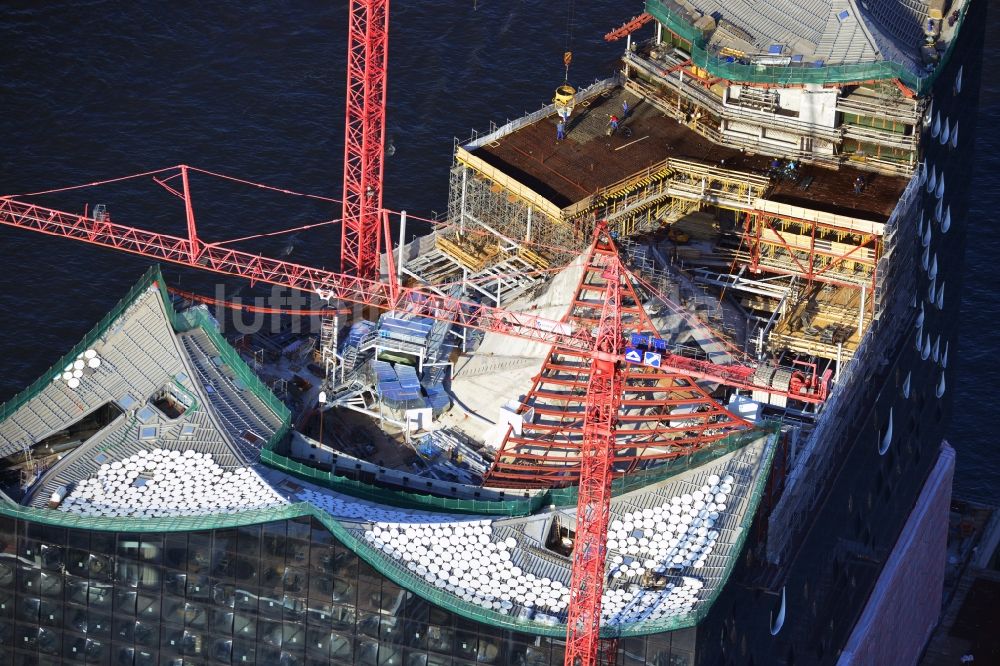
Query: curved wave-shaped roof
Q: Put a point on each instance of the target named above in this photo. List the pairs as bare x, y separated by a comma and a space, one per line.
674, 536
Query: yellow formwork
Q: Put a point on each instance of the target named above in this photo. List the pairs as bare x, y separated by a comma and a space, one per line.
471, 255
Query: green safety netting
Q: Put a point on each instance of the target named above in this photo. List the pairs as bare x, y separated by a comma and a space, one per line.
795, 73
523, 506
401, 498
200, 318
15, 403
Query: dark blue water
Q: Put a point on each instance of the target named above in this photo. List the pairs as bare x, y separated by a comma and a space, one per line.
98, 89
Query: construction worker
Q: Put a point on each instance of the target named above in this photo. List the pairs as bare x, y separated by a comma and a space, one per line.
625, 108
614, 123
859, 185
560, 130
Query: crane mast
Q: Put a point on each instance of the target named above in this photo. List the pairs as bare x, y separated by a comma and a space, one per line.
604, 343
364, 137
604, 396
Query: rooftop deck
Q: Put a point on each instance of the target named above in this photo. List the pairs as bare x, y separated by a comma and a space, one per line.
833, 192
567, 172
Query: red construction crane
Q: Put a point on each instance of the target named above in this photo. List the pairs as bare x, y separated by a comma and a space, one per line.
218, 258
364, 137
628, 27
604, 396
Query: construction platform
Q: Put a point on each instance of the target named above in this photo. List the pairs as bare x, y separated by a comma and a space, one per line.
828, 322
589, 160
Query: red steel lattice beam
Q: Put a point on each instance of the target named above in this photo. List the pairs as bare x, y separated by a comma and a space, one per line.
196, 253
548, 449
602, 344
364, 137
604, 391
333, 286
813, 262
629, 27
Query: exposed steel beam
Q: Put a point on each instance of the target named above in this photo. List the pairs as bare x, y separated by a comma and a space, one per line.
330, 285
629, 27
353, 289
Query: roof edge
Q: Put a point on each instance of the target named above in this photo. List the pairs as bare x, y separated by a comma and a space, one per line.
787, 75
373, 558
557, 497
151, 277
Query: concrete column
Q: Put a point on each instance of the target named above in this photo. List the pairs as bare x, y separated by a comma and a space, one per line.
400, 258
861, 314
461, 214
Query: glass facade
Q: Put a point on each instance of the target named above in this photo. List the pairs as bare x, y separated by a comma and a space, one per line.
284, 592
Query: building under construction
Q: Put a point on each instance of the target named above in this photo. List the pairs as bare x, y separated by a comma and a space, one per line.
730, 269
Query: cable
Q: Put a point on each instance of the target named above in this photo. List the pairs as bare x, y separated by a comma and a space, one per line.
276, 233
264, 187
95, 183
208, 300
688, 317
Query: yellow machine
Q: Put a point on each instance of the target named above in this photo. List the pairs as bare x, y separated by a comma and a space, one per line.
564, 100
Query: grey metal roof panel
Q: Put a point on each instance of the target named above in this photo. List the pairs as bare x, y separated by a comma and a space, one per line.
832, 31
135, 358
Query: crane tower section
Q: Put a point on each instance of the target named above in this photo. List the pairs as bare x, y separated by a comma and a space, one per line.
604, 397
364, 137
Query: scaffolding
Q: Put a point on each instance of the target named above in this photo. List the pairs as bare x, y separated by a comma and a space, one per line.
483, 199
852, 397
671, 182
663, 414
826, 321
823, 248
669, 80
